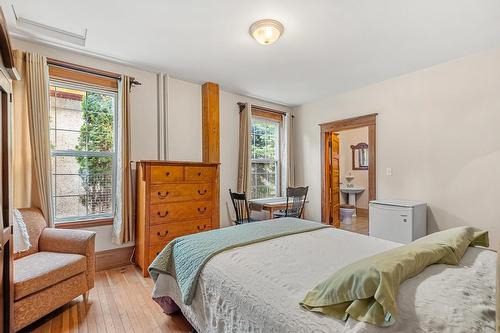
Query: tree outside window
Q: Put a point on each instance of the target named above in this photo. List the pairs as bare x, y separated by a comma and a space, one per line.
265, 158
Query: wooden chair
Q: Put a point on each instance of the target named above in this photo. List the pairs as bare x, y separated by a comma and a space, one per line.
295, 200
240, 205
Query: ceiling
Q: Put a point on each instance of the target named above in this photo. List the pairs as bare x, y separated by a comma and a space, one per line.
329, 46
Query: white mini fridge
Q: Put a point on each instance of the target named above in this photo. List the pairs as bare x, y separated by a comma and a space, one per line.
397, 220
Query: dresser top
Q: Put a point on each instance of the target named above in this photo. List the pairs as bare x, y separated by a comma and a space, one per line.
161, 162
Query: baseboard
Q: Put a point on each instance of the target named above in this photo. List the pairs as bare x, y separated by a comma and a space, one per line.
362, 212
113, 258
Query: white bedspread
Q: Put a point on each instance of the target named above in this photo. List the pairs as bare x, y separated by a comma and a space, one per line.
257, 288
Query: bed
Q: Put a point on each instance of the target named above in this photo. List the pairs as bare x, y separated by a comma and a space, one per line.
258, 287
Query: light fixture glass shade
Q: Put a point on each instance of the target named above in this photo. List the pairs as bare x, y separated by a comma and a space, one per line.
266, 31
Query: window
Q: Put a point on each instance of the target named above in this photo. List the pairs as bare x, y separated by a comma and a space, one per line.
266, 164
83, 151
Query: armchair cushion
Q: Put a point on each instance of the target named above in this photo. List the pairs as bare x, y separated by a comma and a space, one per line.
71, 241
44, 269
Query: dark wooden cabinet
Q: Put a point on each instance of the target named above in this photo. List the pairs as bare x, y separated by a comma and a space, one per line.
6, 246
7, 72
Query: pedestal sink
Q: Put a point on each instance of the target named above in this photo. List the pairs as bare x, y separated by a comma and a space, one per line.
351, 193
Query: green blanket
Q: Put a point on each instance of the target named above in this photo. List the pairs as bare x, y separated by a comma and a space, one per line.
367, 289
185, 257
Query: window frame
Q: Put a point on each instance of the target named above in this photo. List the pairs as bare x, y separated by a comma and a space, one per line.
96, 219
275, 117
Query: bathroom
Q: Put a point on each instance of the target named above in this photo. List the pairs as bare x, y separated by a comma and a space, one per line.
354, 179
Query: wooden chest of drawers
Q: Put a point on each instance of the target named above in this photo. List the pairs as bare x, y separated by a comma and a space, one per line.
173, 199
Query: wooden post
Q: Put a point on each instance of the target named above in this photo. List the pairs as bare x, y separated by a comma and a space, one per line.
210, 123
211, 138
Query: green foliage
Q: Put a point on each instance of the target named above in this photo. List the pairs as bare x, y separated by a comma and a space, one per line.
96, 135
265, 138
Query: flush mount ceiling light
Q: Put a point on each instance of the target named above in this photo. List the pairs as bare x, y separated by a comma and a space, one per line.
267, 31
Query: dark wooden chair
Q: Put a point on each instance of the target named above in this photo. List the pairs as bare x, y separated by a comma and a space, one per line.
295, 200
240, 205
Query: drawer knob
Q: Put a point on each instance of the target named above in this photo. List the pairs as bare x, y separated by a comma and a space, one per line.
167, 173
162, 215
202, 210
200, 228
200, 192
199, 173
159, 234
162, 195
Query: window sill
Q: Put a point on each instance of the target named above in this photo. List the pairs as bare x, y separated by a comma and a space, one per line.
84, 224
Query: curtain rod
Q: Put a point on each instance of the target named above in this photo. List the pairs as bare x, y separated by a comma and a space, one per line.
89, 70
241, 106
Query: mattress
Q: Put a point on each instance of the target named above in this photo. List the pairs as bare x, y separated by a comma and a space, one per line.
257, 288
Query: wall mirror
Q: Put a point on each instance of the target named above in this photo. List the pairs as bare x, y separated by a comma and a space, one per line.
360, 156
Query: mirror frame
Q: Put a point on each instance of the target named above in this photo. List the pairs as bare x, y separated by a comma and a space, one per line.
359, 146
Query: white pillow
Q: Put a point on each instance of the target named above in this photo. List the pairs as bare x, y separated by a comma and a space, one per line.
21, 237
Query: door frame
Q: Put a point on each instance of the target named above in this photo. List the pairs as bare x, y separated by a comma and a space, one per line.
370, 121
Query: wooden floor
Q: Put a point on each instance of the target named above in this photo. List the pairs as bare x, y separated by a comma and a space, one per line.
120, 302
359, 225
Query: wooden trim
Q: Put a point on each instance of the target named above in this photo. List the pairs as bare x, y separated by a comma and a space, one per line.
210, 123
113, 258
84, 224
268, 115
88, 70
211, 140
325, 181
75, 76
241, 106
350, 123
268, 110
369, 121
372, 161
6, 49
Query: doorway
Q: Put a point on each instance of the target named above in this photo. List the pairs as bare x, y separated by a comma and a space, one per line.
336, 185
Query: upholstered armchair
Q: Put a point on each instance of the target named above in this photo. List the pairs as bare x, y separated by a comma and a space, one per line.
59, 266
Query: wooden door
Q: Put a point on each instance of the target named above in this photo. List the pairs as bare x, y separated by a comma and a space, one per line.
334, 181
331, 203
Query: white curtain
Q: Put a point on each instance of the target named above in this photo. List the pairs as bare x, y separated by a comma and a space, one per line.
288, 174
32, 176
123, 225
244, 154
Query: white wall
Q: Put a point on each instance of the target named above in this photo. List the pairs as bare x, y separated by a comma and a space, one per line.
184, 132
347, 139
184, 120
438, 129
